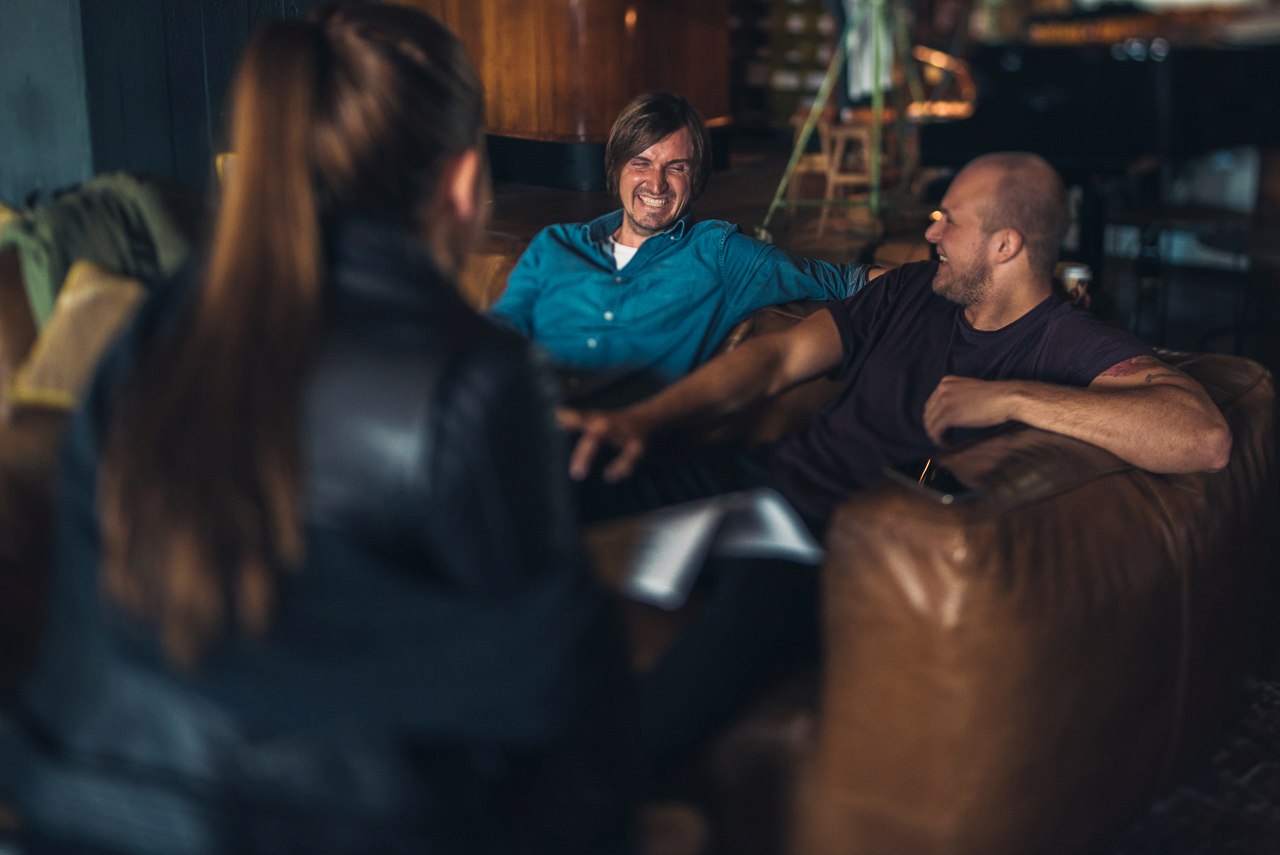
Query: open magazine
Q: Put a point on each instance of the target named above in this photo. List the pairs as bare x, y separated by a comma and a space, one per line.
655, 557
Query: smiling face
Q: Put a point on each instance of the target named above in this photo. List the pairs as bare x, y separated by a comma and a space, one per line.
655, 187
959, 233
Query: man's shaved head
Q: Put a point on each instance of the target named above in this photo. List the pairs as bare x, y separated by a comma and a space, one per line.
1029, 197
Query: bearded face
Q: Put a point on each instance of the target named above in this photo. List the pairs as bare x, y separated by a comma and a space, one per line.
965, 282
962, 241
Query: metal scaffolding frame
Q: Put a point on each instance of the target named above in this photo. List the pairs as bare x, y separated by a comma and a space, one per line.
883, 17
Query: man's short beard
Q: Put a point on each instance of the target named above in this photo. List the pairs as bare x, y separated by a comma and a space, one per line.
965, 289
649, 231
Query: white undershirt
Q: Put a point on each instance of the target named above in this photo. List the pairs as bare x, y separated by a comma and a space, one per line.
622, 254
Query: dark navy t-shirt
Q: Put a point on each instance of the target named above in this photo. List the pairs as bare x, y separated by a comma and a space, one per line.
900, 339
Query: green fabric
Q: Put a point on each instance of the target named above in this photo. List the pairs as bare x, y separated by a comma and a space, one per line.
128, 224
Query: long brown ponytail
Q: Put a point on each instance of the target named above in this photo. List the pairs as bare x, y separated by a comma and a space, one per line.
354, 110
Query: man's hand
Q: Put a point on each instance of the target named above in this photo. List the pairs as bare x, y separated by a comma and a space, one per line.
967, 402
613, 428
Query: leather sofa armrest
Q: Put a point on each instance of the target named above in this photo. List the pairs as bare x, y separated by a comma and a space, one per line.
1022, 671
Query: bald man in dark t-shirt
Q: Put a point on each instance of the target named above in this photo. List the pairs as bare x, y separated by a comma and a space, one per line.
898, 340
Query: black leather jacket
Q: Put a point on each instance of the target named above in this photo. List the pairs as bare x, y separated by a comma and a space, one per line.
440, 672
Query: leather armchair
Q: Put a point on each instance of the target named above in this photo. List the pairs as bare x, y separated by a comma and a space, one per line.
1027, 668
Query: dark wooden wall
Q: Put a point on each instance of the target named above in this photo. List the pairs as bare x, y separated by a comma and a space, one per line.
146, 80
157, 74
560, 70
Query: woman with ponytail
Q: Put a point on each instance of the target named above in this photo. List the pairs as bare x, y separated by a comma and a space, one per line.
317, 584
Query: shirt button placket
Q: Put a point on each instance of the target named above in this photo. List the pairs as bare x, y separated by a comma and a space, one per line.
593, 342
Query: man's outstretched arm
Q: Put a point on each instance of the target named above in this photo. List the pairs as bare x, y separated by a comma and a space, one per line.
1141, 410
755, 370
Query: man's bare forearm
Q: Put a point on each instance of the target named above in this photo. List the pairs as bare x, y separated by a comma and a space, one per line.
1167, 424
1141, 410
726, 384
1162, 427
755, 370
719, 387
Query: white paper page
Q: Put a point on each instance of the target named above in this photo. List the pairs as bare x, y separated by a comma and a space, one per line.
656, 556
763, 524
667, 551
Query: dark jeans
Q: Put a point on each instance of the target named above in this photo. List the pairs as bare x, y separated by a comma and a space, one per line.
757, 623
674, 473
757, 618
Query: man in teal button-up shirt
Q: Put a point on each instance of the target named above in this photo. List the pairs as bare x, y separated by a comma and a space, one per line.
648, 288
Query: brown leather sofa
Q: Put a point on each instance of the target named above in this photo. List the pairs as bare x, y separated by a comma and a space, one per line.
1021, 670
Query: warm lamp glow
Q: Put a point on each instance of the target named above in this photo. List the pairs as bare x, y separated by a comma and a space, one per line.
940, 110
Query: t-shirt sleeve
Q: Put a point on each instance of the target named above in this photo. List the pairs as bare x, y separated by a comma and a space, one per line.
858, 315
1087, 346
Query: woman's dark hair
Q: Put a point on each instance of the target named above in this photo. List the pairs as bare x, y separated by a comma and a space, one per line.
356, 109
648, 119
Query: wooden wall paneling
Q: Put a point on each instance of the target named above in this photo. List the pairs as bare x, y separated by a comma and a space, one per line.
227, 26
559, 71
158, 73
586, 70
257, 11
552, 69
154, 80
467, 20
514, 42
599, 72
126, 81
684, 48
564, 40
261, 10
189, 101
